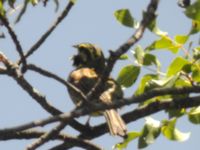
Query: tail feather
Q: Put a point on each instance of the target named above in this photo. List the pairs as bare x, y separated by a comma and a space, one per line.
115, 123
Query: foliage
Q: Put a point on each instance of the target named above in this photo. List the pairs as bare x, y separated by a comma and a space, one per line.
182, 72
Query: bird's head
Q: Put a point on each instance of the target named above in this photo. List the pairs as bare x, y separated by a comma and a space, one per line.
89, 55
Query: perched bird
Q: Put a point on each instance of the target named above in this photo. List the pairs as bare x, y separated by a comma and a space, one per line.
89, 64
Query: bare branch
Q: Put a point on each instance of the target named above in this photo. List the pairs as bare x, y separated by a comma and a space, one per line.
68, 139
50, 30
100, 107
14, 38
71, 144
46, 137
15, 73
139, 113
55, 77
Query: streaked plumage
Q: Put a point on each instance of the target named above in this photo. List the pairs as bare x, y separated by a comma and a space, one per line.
89, 63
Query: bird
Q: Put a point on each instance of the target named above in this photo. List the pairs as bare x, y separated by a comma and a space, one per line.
89, 63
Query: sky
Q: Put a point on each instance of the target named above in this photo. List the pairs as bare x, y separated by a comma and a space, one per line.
89, 21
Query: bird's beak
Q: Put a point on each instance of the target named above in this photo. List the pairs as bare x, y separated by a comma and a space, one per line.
71, 58
75, 46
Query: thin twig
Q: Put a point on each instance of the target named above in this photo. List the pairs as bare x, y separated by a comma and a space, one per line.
57, 78
46, 137
49, 31
14, 39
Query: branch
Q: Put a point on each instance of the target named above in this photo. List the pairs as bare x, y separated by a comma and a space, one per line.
68, 139
57, 78
115, 55
46, 137
14, 38
65, 145
161, 92
101, 107
14, 72
50, 30
139, 113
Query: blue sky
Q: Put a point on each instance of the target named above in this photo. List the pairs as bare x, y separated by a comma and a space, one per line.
89, 21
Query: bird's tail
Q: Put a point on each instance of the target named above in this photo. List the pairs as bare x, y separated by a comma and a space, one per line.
115, 123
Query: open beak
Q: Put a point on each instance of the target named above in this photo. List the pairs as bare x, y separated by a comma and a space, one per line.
75, 46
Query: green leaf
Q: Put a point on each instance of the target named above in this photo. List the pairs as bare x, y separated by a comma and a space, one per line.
73, 1
123, 57
2, 10
166, 82
193, 11
181, 39
194, 115
144, 83
196, 72
195, 27
139, 54
182, 82
196, 53
164, 43
150, 59
34, 2
128, 75
150, 132
154, 28
176, 66
170, 132
130, 137
125, 18
176, 112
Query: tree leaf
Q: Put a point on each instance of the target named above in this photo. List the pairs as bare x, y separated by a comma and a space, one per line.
170, 132
181, 39
164, 43
125, 18
193, 11
195, 27
144, 83
139, 54
128, 75
194, 115
150, 132
130, 137
154, 28
177, 64
123, 57
166, 82
150, 59
196, 53
2, 10
176, 112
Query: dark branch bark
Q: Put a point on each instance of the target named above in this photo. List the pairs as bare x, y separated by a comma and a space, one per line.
66, 117
145, 111
46, 137
32, 134
14, 38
